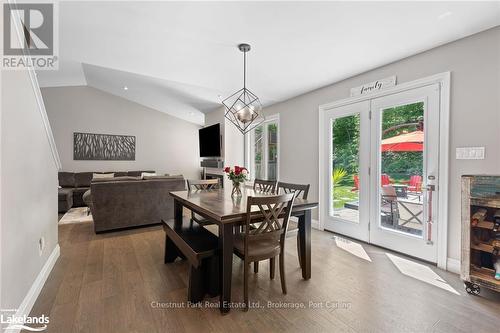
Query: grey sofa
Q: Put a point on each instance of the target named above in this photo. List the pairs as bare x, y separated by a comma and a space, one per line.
75, 184
123, 203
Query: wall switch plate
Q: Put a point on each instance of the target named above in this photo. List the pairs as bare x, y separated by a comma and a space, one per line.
470, 153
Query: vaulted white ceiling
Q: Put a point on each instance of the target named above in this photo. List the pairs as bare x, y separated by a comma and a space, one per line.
182, 58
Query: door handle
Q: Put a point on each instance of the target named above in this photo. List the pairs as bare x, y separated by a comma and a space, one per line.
430, 188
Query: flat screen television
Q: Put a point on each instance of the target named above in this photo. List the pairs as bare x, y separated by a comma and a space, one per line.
210, 141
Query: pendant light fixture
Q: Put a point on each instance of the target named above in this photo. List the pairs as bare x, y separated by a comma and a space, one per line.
243, 108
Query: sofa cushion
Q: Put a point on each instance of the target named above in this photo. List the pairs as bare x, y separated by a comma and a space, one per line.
64, 193
148, 174
80, 190
83, 179
78, 196
66, 179
138, 173
103, 175
65, 199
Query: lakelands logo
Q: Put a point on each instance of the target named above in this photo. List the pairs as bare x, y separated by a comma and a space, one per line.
29, 36
13, 322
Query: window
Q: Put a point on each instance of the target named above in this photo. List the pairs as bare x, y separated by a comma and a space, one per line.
263, 150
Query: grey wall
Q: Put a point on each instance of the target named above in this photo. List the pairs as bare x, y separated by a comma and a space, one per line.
474, 63
163, 143
28, 192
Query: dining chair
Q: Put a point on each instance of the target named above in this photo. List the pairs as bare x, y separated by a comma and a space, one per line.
300, 191
262, 185
267, 241
202, 185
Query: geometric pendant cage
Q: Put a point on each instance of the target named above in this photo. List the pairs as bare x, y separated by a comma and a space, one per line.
243, 108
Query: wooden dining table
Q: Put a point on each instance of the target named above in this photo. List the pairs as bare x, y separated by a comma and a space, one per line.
228, 212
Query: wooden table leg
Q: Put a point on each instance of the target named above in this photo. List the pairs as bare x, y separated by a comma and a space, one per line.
226, 265
177, 211
305, 243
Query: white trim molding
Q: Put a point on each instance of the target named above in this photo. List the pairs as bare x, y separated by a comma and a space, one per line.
39, 99
32, 295
453, 265
315, 224
443, 79
45, 118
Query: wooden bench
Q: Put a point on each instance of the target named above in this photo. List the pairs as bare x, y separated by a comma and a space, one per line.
188, 240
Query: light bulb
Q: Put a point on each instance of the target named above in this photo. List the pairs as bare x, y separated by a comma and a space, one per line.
245, 114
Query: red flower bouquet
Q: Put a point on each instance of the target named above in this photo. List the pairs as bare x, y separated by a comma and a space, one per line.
237, 175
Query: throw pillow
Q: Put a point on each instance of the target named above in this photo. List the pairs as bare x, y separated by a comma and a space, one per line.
147, 174
102, 175
162, 177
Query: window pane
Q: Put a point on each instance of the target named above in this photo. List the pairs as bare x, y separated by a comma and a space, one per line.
258, 147
272, 151
402, 151
345, 165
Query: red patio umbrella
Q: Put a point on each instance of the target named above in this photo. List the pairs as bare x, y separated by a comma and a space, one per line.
413, 141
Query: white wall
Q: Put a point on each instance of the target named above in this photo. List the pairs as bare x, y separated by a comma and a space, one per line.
28, 192
232, 140
163, 143
232, 150
474, 63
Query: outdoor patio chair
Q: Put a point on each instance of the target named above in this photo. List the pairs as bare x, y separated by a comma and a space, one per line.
356, 183
385, 180
403, 210
414, 184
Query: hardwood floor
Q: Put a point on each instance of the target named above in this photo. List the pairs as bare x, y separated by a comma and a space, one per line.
117, 282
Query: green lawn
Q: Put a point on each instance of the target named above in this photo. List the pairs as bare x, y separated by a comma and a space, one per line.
343, 194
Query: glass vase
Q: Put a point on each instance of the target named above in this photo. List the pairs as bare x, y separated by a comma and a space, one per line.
236, 189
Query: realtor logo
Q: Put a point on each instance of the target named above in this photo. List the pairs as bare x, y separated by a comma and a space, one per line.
29, 36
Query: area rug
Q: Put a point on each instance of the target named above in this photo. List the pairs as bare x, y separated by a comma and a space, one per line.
76, 215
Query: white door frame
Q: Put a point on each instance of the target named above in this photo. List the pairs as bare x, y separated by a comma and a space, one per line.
443, 79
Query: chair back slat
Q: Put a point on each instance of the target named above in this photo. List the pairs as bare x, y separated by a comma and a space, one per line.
300, 190
275, 211
203, 184
266, 186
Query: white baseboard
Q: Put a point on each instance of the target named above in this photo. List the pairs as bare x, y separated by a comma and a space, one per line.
36, 287
453, 265
315, 224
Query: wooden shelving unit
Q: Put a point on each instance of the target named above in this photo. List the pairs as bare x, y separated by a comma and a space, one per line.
482, 247
478, 248
485, 225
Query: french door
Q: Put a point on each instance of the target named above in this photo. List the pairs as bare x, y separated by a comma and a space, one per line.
383, 168
264, 149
